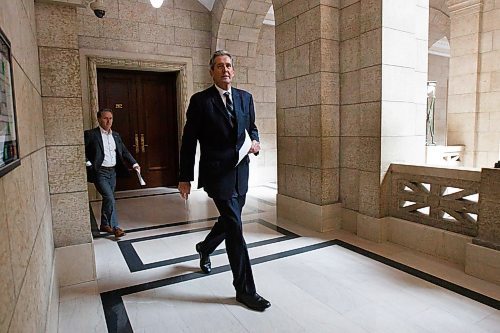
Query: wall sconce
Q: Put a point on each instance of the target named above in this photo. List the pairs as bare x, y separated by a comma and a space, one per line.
156, 3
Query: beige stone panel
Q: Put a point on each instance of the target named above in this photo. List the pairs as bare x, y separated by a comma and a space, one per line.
330, 88
132, 46
309, 152
371, 15
118, 29
184, 37
286, 93
490, 20
287, 150
371, 84
463, 65
296, 61
461, 103
259, 7
202, 38
266, 126
399, 83
70, 218
349, 87
156, 33
489, 61
483, 122
201, 21
280, 67
349, 188
56, 26
350, 21
461, 138
488, 141
309, 89
242, 19
465, 25
369, 154
201, 56
349, 152
468, 44
373, 229
250, 35
330, 18
402, 17
325, 120
369, 193
128, 11
400, 47
482, 262
485, 82
370, 119
237, 48
75, 264
330, 158
201, 74
88, 26
396, 118
56, 113
32, 302
7, 295
60, 72
281, 168
324, 186
346, 3
350, 120
295, 8
286, 36
324, 56
173, 50
462, 122
191, 5
40, 182
66, 169
349, 55
268, 140
349, 220
173, 17
229, 31
310, 28
298, 180
494, 82
26, 111
297, 122
20, 201
370, 48
489, 102
485, 43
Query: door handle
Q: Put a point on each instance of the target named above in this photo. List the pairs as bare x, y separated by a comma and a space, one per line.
143, 146
136, 146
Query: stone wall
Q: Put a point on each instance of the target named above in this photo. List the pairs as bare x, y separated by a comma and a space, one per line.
26, 245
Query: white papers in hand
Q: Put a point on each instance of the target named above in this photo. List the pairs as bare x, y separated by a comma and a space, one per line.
141, 181
245, 148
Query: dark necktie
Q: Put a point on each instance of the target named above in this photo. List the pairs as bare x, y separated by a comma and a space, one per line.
229, 108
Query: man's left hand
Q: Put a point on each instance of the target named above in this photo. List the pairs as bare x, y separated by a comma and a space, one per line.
255, 148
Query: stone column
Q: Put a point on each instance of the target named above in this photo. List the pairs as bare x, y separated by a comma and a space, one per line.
307, 75
463, 93
63, 121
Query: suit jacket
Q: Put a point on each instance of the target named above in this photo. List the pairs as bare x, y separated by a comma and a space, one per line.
94, 152
209, 123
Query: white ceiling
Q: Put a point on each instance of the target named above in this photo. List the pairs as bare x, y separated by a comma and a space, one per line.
207, 3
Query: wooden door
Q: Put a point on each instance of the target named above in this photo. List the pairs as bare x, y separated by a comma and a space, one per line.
145, 115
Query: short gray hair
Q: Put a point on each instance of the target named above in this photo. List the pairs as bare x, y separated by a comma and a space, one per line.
100, 112
219, 53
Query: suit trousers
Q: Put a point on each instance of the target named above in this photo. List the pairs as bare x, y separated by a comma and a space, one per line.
229, 228
105, 183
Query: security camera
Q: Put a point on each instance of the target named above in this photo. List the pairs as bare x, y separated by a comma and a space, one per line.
98, 7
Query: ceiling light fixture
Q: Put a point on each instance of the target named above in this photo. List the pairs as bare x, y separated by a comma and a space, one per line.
156, 3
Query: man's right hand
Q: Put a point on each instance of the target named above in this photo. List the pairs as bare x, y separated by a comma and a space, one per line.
184, 189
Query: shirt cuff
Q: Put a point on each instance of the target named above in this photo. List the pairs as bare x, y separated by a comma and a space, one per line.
135, 165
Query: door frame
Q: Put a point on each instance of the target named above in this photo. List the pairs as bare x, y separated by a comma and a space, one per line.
90, 60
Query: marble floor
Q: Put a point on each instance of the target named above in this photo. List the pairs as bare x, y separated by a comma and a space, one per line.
149, 281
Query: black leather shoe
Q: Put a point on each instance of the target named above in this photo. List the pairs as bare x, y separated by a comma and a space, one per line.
254, 302
205, 264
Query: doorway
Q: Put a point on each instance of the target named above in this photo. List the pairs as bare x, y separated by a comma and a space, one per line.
145, 115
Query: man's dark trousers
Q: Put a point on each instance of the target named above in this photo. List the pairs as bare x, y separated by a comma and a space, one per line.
105, 183
229, 228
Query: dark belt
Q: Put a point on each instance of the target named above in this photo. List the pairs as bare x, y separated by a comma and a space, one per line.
107, 168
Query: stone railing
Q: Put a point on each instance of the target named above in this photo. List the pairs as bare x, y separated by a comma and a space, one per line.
438, 197
465, 200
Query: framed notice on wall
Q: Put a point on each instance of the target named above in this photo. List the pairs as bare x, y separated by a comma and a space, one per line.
9, 147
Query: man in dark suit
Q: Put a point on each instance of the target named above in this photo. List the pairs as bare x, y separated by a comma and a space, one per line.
106, 155
219, 118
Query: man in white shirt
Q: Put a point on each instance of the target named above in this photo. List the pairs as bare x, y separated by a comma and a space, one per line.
105, 156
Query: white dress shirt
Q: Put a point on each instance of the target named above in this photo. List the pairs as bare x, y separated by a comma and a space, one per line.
222, 92
109, 148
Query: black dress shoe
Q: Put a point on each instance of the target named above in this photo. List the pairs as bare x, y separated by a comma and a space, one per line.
205, 263
254, 302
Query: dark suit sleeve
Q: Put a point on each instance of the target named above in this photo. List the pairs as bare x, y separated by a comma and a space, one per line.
253, 132
87, 140
126, 154
189, 140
